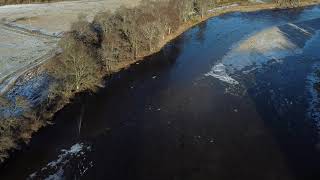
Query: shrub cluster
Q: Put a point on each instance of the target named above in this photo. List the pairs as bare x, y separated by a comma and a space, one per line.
287, 3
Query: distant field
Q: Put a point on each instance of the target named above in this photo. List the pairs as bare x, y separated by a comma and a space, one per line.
6, 2
57, 16
20, 48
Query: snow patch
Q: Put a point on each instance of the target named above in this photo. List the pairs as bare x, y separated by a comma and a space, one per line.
258, 49
57, 176
271, 45
55, 170
299, 28
219, 71
58, 16
73, 150
223, 7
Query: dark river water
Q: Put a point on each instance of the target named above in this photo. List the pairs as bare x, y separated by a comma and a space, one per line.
231, 98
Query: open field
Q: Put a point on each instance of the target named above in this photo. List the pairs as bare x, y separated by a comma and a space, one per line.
56, 17
20, 51
29, 33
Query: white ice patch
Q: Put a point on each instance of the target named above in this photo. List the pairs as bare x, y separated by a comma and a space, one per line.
219, 71
223, 7
73, 150
313, 95
299, 28
270, 45
57, 176
55, 170
258, 49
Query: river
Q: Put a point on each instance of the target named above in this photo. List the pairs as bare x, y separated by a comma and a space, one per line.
232, 98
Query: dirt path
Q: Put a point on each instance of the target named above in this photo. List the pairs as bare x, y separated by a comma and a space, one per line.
8, 81
14, 53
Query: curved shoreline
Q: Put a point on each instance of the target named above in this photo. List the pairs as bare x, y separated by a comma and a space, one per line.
231, 8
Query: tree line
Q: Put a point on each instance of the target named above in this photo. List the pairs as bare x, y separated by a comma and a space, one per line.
287, 3
94, 49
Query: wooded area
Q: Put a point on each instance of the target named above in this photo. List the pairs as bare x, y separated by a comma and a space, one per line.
123, 36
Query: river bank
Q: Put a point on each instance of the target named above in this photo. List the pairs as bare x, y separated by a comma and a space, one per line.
220, 10
243, 7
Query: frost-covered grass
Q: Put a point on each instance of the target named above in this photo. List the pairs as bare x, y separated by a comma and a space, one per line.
58, 16
20, 50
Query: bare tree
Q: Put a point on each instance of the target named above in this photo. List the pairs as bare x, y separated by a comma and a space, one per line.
287, 3
130, 29
83, 31
150, 33
103, 23
110, 51
201, 7
184, 8
78, 70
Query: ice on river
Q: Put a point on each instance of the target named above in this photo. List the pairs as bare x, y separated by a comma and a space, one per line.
219, 71
55, 170
270, 45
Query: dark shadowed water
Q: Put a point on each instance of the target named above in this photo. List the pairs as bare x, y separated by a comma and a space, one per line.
210, 105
